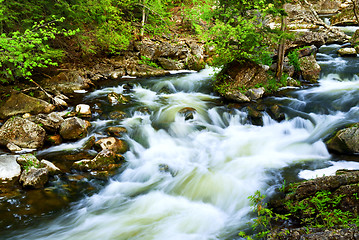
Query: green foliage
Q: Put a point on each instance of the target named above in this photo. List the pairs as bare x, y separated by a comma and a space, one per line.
22, 52
235, 29
293, 57
147, 61
321, 211
31, 162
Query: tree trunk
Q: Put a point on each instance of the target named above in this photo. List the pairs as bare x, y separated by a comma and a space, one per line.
143, 20
355, 10
281, 49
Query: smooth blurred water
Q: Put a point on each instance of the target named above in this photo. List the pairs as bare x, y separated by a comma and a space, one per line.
191, 179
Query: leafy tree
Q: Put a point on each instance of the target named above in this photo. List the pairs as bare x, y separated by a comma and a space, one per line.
21, 52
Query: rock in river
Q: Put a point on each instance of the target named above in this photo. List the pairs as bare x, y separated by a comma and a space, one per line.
22, 133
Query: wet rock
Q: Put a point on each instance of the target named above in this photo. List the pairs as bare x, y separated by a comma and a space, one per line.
293, 83
34, 177
19, 103
74, 128
51, 122
347, 52
116, 131
255, 93
105, 160
117, 115
113, 144
54, 139
51, 168
83, 110
9, 168
75, 156
310, 69
255, 116
170, 64
22, 133
276, 113
345, 141
89, 143
145, 110
187, 112
115, 98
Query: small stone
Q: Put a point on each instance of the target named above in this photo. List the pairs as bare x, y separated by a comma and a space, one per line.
347, 52
117, 115
255, 93
187, 112
51, 168
83, 110
13, 147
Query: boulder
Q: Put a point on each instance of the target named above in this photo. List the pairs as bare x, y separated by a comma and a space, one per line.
299, 17
105, 160
83, 110
310, 69
170, 64
74, 128
304, 39
22, 133
67, 82
34, 177
51, 122
347, 52
345, 141
113, 144
9, 168
326, 6
20, 103
134, 69
116, 131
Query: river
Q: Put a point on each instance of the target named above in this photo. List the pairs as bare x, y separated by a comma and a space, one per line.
191, 179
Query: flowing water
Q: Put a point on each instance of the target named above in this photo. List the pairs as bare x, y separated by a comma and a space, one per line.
190, 179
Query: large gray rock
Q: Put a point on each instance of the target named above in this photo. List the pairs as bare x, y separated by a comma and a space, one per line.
22, 133
170, 64
310, 69
34, 177
9, 168
50, 122
74, 128
67, 82
19, 103
345, 140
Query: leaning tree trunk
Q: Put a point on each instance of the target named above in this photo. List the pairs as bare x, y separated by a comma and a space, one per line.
281, 49
143, 20
355, 4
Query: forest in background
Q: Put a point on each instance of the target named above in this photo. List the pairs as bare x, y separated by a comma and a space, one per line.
38, 34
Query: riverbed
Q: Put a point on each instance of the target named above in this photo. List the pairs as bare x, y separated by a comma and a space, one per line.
191, 178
